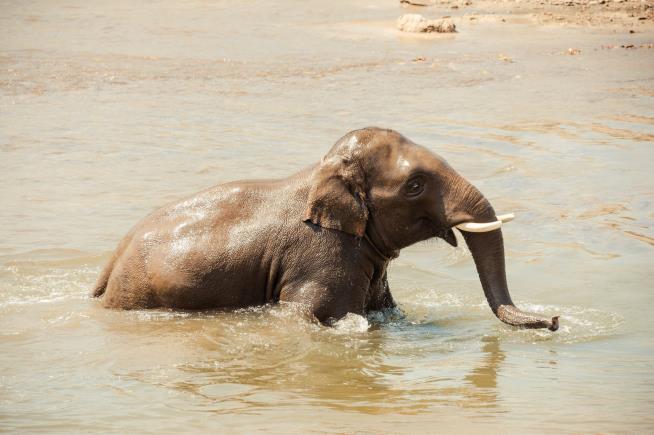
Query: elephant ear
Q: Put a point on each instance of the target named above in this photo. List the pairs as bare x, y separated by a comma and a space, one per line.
337, 196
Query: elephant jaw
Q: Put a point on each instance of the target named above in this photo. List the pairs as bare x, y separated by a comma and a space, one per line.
474, 227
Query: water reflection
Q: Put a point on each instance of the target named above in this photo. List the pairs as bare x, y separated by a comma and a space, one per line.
484, 376
258, 359
347, 372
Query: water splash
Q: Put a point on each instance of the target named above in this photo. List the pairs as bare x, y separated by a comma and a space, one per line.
351, 323
578, 324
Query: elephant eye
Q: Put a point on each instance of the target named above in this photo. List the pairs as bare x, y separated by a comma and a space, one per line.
414, 187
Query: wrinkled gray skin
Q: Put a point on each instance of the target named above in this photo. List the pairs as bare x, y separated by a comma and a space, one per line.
322, 237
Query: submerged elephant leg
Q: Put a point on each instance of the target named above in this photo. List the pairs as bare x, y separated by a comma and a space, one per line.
380, 297
326, 301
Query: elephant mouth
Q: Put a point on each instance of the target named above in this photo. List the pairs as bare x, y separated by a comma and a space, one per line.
448, 235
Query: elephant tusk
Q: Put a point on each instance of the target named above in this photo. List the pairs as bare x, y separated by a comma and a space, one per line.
473, 227
506, 217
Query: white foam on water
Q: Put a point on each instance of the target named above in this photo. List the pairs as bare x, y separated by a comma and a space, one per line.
45, 285
577, 324
154, 315
351, 323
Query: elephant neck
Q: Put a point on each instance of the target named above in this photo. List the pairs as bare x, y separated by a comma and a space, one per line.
379, 247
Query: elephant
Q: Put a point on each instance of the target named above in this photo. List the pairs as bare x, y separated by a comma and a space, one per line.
322, 238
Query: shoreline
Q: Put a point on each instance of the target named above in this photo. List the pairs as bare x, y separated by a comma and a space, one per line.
631, 16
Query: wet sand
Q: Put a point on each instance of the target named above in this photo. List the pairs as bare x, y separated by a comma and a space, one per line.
112, 109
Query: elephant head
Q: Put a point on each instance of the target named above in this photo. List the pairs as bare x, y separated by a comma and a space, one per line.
377, 184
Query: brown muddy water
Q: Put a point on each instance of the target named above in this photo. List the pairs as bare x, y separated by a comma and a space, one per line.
110, 109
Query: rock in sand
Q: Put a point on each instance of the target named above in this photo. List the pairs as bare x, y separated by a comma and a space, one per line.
416, 23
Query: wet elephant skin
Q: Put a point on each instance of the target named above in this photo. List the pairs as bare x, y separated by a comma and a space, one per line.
322, 237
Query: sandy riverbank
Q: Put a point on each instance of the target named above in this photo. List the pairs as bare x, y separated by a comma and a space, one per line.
620, 15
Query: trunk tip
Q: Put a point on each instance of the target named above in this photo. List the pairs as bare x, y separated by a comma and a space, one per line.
555, 324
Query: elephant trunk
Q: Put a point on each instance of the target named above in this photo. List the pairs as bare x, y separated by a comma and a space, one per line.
487, 250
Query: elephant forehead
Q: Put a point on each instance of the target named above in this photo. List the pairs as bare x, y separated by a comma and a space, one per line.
402, 163
415, 157
399, 161
351, 144
390, 169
